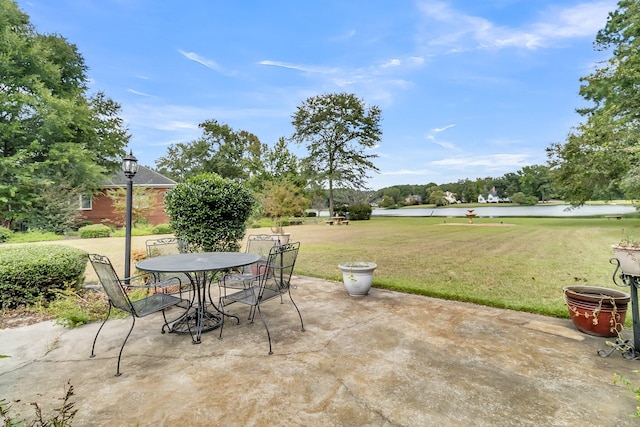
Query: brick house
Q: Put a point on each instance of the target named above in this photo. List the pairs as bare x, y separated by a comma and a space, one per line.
98, 209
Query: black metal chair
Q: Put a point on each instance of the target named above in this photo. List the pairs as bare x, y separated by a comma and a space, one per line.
257, 244
116, 290
170, 246
273, 282
166, 246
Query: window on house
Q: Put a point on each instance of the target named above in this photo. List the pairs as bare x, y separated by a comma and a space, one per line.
85, 202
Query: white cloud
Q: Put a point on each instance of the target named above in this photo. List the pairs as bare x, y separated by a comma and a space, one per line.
513, 161
406, 172
444, 144
466, 32
437, 130
578, 21
303, 68
135, 92
376, 83
343, 37
391, 63
209, 63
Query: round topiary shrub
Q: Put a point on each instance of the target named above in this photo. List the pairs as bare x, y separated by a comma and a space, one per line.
93, 231
31, 273
210, 211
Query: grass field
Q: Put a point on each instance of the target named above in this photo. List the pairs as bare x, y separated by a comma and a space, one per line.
515, 263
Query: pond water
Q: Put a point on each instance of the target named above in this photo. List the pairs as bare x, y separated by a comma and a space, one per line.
511, 211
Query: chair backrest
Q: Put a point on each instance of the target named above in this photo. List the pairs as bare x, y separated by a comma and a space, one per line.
280, 264
110, 282
166, 246
260, 244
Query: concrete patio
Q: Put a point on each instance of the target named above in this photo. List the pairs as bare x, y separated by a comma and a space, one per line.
387, 359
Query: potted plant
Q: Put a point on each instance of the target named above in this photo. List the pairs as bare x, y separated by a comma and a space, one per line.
627, 252
595, 310
357, 277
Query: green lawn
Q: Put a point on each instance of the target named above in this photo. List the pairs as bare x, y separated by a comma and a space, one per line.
516, 263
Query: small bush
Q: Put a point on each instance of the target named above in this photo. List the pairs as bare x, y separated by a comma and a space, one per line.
137, 230
29, 274
5, 233
163, 229
72, 308
523, 200
94, 231
359, 211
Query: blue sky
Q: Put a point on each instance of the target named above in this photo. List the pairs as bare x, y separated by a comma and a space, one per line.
467, 88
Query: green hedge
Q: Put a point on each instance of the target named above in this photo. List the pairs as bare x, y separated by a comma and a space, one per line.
31, 273
163, 229
93, 231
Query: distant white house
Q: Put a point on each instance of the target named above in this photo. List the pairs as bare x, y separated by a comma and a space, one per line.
450, 197
492, 197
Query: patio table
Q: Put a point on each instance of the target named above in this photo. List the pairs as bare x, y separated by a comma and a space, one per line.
201, 269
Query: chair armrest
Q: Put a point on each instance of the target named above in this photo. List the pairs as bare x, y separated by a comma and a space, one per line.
149, 281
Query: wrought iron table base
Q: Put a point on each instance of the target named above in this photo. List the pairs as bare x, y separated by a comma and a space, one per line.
198, 318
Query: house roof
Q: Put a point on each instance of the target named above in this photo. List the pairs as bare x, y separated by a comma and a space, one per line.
145, 176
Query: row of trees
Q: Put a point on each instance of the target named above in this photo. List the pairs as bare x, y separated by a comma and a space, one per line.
536, 182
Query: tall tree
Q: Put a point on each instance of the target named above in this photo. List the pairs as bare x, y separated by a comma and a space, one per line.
337, 130
52, 134
221, 150
604, 148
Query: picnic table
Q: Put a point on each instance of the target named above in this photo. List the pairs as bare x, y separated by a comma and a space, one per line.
337, 220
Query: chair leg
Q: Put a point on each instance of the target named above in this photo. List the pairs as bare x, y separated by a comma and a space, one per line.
265, 326
133, 323
299, 315
99, 329
221, 305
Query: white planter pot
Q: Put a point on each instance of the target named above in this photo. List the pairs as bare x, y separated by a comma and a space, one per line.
283, 238
357, 277
629, 259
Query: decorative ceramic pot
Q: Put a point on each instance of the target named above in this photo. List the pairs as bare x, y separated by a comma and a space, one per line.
597, 311
357, 277
629, 259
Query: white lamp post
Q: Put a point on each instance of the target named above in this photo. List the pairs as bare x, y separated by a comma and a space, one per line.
130, 168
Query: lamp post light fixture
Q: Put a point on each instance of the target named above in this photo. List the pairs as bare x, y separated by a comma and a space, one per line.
130, 168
